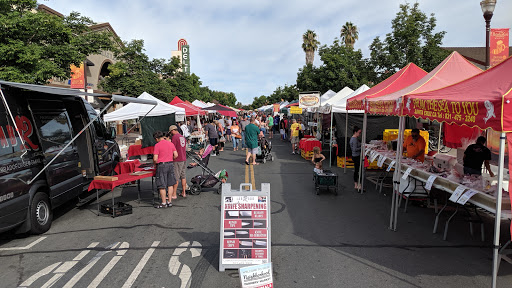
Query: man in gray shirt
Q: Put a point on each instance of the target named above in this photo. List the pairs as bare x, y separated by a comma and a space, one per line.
243, 124
213, 136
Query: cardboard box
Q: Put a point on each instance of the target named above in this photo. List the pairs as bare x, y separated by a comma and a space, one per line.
106, 178
138, 142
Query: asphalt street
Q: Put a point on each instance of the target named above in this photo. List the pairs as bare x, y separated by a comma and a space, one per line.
317, 240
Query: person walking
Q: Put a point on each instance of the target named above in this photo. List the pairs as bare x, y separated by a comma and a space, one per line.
251, 140
270, 123
213, 137
235, 132
229, 122
355, 148
164, 154
294, 136
180, 143
244, 124
222, 139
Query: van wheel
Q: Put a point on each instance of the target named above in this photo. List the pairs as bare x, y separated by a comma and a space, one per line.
40, 214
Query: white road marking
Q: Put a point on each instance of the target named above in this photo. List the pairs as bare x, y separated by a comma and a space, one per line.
174, 262
89, 265
120, 253
38, 275
135, 273
25, 247
59, 272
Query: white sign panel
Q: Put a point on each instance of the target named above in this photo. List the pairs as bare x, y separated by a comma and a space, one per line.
245, 227
257, 276
407, 172
465, 197
391, 165
381, 161
430, 181
456, 194
309, 100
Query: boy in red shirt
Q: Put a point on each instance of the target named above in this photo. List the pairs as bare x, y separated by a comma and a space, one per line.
179, 163
163, 156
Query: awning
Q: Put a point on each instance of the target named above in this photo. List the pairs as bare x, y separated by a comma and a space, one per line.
453, 69
401, 79
190, 110
223, 110
483, 100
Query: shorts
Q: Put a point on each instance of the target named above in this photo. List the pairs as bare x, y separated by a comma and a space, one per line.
281, 131
228, 131
179, 170
295, 139
165, 175
214, 141
253, 150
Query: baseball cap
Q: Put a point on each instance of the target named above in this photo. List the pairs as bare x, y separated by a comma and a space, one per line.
173, 127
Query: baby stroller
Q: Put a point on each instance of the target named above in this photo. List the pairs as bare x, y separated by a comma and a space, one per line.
208, 178
265, 148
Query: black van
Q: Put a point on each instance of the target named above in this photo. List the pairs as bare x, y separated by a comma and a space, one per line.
41, 167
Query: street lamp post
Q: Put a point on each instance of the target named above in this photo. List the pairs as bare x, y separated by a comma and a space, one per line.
488, 9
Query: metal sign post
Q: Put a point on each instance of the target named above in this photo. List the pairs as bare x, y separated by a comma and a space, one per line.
244, 227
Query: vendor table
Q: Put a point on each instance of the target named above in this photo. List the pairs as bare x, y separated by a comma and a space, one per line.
135, 150
127, 167
307, 144
110, 185
481, 200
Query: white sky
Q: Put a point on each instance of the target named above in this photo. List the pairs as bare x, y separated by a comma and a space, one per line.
251, 47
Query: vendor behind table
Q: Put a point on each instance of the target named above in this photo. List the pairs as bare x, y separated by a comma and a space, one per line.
476, 155
415, 146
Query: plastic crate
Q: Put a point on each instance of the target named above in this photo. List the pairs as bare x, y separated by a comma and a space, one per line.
390, 135
120, 209
341, 161
306, 154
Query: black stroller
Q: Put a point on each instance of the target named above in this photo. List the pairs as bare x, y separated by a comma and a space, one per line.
208, 178
266, 149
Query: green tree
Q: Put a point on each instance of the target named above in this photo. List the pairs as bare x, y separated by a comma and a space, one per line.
310, 45
342, 66
349, 34
412, 39
36, 46
134, 73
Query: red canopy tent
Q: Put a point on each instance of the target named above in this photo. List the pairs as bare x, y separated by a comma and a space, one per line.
401, 79
190, 110
226, 111
453, 69
482, 101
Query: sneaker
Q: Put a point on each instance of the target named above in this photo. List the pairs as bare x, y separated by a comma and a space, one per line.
293, 153
214, 155
169, 204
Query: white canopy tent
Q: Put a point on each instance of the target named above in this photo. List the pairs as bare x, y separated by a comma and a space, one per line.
342, 94
135, 110
326, 96
199, 104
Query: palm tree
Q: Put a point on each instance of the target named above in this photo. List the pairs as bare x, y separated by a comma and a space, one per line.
349, 34
310, 45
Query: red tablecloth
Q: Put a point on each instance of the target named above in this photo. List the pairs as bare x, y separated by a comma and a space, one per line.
307, 144
127, 167
122, 179
136, 150
308, 136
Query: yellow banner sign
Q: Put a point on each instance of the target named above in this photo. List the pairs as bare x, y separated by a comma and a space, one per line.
295, 110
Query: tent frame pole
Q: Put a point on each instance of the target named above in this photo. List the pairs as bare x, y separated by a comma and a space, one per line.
363, 148
439, 138
346, 139
330, 143
396, 174
399, 153
497, 221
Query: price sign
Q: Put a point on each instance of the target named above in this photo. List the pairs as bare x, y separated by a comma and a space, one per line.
381, 161
407, 172
391, 165
465, 197
430, 181
373, 157
367, 152
456, 194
